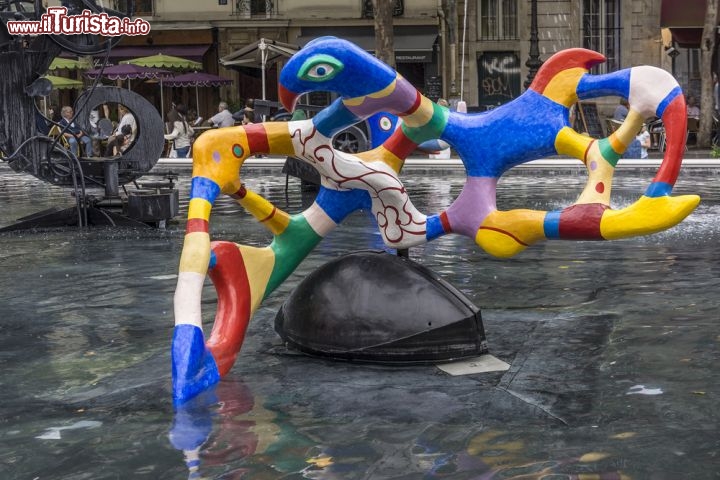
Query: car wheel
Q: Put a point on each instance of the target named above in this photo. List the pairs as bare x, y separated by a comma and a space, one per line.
350, 140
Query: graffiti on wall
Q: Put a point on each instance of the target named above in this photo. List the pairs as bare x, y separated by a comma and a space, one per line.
499, 78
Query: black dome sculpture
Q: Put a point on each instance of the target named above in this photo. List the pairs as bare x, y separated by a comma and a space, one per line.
375, 307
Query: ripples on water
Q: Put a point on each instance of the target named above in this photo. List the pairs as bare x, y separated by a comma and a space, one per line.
86, 320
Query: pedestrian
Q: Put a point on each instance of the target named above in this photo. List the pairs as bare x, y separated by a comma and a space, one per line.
182, 132
644, 139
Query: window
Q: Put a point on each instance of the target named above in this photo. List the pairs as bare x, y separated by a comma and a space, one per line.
498, 20
601, 31
687, 71
142, 8
369, 12
247, 8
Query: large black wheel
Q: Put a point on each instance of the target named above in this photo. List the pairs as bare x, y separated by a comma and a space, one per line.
142, 155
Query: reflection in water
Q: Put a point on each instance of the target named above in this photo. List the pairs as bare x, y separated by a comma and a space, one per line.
227, 425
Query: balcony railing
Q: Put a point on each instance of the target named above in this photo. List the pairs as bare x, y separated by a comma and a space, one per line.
254, 8
368, 11
142, 8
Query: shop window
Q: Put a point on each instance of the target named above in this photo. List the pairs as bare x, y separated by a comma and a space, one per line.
601, 31
498, 20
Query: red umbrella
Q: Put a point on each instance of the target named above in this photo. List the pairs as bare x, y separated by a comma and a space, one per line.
197, 79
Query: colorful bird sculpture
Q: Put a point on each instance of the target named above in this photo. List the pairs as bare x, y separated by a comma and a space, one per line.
532, 126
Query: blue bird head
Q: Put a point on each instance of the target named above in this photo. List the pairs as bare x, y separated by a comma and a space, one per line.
334, 65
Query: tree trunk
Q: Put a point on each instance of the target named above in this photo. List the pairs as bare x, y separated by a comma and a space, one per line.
707, 97
384, 36
449, 9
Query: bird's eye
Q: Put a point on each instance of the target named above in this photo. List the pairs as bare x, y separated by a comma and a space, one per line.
320, 68
320, 71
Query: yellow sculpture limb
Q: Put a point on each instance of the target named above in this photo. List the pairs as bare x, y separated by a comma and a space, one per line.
279, 138
422, 115
259, 264
600, 175
383, 155
647, 215
199, 208
505, 234
219, 154
195, 255
562, 87
265, 212
569, 142
625, 134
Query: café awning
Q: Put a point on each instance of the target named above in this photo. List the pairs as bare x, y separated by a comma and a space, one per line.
685, 19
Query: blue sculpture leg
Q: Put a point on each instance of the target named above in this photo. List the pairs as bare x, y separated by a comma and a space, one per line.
193, 366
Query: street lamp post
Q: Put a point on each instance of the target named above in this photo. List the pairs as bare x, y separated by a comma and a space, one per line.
534, 61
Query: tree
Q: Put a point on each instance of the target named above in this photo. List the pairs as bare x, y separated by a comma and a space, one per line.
384, 36
707, 87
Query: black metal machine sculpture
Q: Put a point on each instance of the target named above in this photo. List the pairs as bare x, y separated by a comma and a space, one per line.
24, 59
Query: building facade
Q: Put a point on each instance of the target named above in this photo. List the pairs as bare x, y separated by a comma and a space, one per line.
475, 50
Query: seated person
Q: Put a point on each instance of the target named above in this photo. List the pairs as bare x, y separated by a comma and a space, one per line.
248, 118
621, 111
193, 118
73, 133
126, 118
120, 142
223, 118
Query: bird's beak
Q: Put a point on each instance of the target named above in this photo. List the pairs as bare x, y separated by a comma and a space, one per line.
287, 98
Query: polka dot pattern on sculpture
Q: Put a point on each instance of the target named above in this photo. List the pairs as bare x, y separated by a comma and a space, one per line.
600, 187
237, 150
